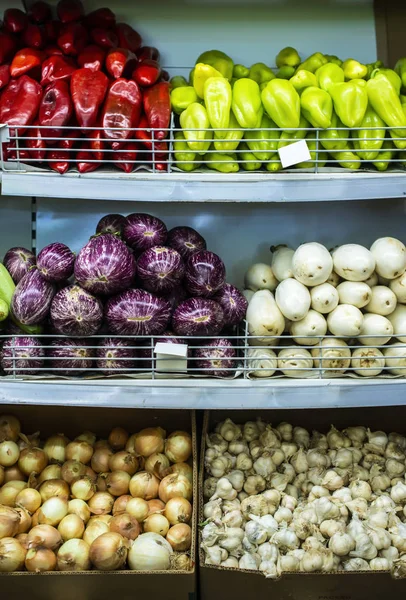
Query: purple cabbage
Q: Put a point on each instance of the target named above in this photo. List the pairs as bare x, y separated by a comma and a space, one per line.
205, 274
216, 358
136, 312
160, 269
76, 312
69, 357
18, 261
32, 299
116, 356
186, 241
105, 265
143, 231
111, 224
55, 262
198, 317
25, 353
233, 303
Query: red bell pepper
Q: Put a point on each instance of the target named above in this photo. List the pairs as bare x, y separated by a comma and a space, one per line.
4, 75
120, 62
70, 137
10, 152
125, 159
53, 51
40, 12
19, 102
70, 10
33, 36
15, 20
92, 57
25, 60
88, 91
157, 107
55, 68
147, 72
103, 18
8, 46
52, 30
148, 52
72, 39
122, 109
36, 143
56, 108
96, 153
143, 134
127, 37
105, 38
58, 160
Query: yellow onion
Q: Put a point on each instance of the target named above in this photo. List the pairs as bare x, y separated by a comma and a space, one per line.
28, 441
181, 468
54, 488
118, 438
144, 485
125, 525
87, 436
83, 489
100, 460
10, 491
74, 556
79, 508
101, 503
109, 552
138, 508
101, 484
2, 475
53, 511
91, 474
44, 536
178, 446
32, 460
13, 474
40, 560
34, 518
9, 522
124, 461
155, 506
71, 470
95, 530
118, 482
156, 523
157, 464
174, 486
178, 510
180, 537
12, 555
101, 444
50, 472
120, 505
29, 499
150, 552
9, 453
147, 442
80, 451
181, 562
103, 518
10, 428
25, 521
55, 447
71, 527
23, 539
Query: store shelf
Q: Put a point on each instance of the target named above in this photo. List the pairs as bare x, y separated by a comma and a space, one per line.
208, 394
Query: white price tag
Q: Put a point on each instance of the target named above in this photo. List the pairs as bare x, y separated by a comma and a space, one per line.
171, 349
294, 154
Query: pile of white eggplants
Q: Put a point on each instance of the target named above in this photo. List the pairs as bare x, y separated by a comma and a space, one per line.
352, 293
279, 499
87, 503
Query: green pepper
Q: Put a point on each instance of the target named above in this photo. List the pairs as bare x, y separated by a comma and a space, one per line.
274, 164
354, 69
329, 74
350, 101
219, 60
184, 157
302, 80
317, 155
282, 103
239, 72
261, 73
248, 158
286, 72
289, 137
232, 139
178, 81
391, 75
317, 107
202, 73
225, 163
217, 98
330, 138
346, 158
400, 69
402, 99
288, 57
332, 58
246, 104
263, 143
387, 153
366, 141
400, 144
191, 76
386, 103
195, 118
314, 62
182, 97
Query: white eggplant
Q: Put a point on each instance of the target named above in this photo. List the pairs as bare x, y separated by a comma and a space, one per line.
398, 287
313, 326
355, 293
333, 355
390, 256
248, 294
264, 319
260, 277
395, 358
345, 320
373, 280
383, 301
398, 320
295, 362
262, 362
312, 264
367, 362
353, 262
376, 325
293, 299
324, 298
282, 262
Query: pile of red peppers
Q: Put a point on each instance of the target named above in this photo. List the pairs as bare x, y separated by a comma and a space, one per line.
81, 71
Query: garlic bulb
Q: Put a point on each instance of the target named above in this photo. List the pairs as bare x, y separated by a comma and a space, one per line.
248, 563
341, 543
379, 564
360, 489
254, 484
356, 564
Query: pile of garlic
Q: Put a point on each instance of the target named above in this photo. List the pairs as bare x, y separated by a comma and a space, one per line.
282, 500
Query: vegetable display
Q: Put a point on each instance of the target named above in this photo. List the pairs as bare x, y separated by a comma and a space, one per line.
82, 504
281, 500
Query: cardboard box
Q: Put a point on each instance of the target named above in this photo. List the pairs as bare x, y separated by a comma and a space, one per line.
218, 582
95, 585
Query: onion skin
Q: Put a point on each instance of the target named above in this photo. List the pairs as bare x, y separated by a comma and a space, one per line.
67, 559
76, 312
180, 537
108, 552
179, 447
9, 521
186, 241
125, 525
32, 299
110, 353
113, 223
45, 536
18, 262
160, 269
69, 357
147, 441
9, 545
216, 358
178, 510
32, 460
55, 262
54, 488
233, 303
40, 560
136, 312
174, 486
71, 470
198, 317
143, 231
27, 360
205, 274
124, 461
144, 485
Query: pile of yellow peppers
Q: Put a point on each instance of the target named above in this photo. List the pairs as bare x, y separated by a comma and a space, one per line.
235, 117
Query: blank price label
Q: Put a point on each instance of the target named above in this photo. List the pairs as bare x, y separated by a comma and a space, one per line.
179, 350
294, 154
